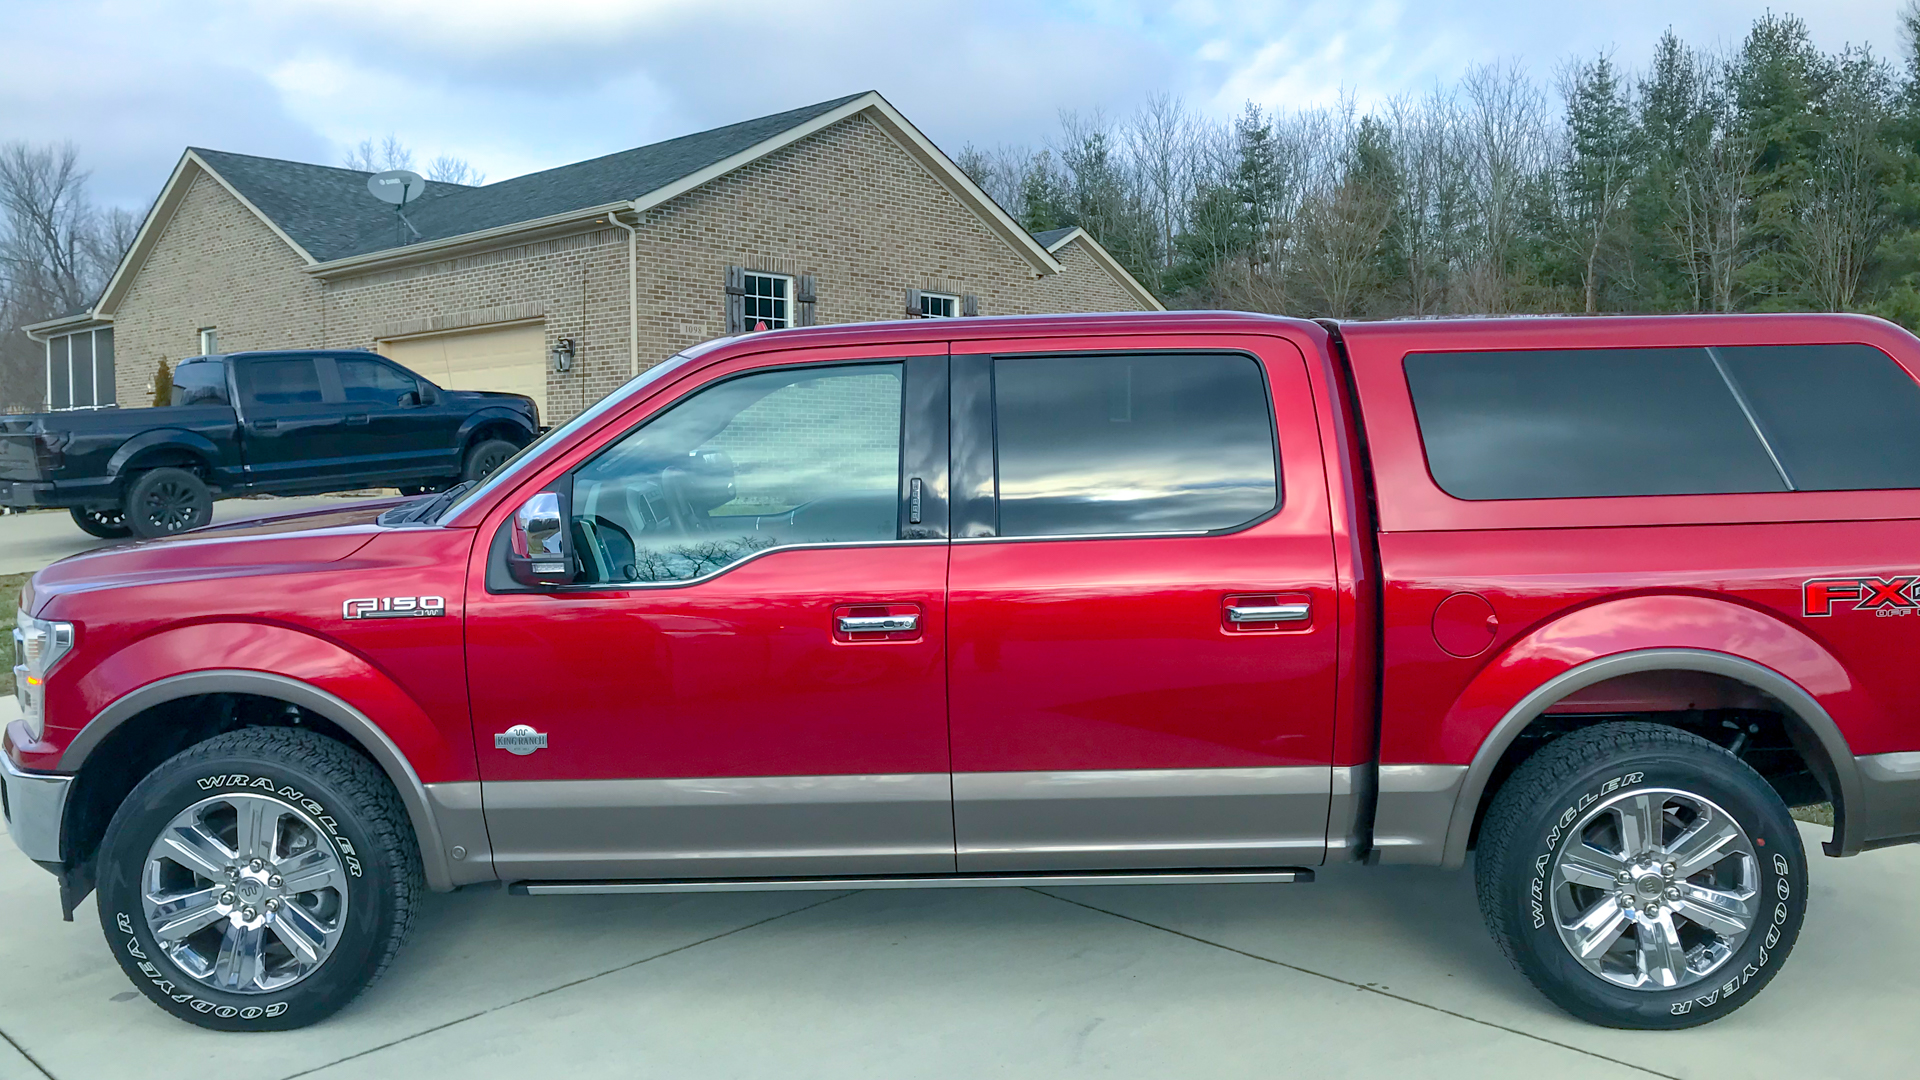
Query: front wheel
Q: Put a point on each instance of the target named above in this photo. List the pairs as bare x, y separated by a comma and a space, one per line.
1642, 877
109, 523
162, 502
258, 881
486, 456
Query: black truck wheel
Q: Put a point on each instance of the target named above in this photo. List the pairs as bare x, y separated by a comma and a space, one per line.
162, 502
486, 456
258, 881
1642, 877
107, 524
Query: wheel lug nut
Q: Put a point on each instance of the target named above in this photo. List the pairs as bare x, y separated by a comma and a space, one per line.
226, 898
1673, 894
273, 904
256, 864
275, 882
1625, 876
233, 873
248, 913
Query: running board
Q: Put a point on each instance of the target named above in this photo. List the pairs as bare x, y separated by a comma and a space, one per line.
1280, 875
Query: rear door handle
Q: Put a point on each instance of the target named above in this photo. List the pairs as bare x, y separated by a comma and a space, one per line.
357, 418
265, 425
1249, 614
877, 624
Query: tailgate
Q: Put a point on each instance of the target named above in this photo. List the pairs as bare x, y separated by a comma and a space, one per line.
18, 460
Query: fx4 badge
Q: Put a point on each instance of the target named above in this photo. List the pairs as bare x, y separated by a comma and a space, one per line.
393, 607
520, 739
1882, 596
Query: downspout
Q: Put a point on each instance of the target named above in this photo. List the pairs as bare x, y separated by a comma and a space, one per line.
633, 288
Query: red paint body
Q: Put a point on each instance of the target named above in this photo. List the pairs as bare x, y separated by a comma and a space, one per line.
1051, 655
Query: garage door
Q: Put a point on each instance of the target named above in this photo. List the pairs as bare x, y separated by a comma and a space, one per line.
512, 359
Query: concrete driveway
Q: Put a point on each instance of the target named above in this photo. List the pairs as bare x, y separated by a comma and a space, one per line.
1367, 973
31, 541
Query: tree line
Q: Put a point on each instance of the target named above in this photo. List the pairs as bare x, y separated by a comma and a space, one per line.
1762, 177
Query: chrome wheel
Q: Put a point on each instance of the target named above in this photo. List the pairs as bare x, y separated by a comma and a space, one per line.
1655, 890
245, 893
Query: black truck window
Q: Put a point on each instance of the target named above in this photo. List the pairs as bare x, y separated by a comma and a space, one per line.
292, 381
200, 382
374, 383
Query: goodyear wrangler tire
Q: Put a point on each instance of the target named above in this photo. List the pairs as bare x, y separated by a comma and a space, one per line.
1641, 877
258, 881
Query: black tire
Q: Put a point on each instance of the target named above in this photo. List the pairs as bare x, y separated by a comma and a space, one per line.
1532, 824
338, 790
163, 502
108, 524
485, 456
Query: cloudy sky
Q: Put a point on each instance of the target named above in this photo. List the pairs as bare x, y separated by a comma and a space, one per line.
516, 85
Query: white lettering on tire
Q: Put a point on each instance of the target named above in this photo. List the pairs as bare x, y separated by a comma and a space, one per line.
169, 988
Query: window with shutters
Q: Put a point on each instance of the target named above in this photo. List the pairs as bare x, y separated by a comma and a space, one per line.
768, 301
938, 306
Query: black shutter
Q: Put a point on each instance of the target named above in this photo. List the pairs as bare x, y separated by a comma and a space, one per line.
736, 300
913, 304
969, 305
803, 300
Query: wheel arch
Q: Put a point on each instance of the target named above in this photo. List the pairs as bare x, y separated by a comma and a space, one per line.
425, 805
1815, 733
493, 422
164, 446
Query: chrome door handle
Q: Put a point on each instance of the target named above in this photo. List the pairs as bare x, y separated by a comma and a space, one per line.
872, 624
1269, 613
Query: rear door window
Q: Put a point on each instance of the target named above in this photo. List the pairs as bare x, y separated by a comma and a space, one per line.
1573, 423
291, 381
1132, 443
201, 382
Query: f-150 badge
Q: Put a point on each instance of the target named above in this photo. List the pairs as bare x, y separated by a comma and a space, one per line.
1882, 596
520, 739
393, 607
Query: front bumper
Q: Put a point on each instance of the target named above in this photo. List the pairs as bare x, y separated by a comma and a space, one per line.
35, 806
1889, 810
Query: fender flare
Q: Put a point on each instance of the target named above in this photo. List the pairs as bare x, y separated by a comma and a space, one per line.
486, 415
424, 806
163, 439
1843, 777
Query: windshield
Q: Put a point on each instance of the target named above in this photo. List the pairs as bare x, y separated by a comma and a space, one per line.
509, 470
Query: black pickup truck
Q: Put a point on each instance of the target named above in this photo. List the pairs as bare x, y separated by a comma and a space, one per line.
267, 423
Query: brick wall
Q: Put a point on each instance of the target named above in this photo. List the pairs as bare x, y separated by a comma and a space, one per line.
847, 205
214, 264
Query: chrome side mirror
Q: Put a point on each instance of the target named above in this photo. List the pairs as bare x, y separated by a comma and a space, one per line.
539, 555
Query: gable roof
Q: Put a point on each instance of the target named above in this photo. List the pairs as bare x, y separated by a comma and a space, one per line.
326, 216
1051, 239
1055, 239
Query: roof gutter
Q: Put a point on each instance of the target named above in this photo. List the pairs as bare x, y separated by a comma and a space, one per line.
633, 286
434, 248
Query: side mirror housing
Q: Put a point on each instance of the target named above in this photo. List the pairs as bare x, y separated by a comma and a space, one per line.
538, 553
410, 399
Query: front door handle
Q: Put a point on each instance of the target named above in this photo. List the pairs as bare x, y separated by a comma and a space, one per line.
1247, 614
265, 425
357, 418
878, 624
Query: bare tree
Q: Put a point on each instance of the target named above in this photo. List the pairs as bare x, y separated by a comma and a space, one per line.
1506, 147
447, 169
1842, 209
388, 153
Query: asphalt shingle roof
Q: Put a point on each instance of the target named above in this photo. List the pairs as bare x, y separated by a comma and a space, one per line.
1053, 236
329, 212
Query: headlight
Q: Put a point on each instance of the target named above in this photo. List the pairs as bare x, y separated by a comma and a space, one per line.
38, 644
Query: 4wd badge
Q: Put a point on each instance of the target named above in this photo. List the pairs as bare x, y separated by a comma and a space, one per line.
520, 739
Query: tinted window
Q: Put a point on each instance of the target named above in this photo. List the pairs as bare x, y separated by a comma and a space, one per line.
1131, 444
202, 382
372, 382
1588, 422
1840, 417
284, 382
59, 375
803, 456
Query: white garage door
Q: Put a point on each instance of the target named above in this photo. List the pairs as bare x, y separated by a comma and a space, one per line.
512, 359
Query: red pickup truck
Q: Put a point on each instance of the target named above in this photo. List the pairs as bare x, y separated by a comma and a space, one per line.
1067, 600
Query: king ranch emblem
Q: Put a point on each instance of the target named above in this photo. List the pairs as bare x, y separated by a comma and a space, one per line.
1884, 597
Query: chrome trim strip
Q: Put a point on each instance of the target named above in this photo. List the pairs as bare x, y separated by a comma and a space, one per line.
1415, 805
628, 586
1299, 875
722, 827
1089, 536
1843, 783
36, 805
1140, 818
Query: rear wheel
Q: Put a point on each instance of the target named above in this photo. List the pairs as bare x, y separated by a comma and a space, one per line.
258, 881
486, 456
1642, 877
108, 523
162, 502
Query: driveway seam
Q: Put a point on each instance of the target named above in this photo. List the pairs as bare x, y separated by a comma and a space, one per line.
552, 989
1361, 986
22, 1051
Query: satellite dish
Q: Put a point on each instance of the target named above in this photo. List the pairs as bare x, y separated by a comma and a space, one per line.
397, 186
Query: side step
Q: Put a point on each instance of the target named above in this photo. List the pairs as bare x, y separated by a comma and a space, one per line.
1277, 875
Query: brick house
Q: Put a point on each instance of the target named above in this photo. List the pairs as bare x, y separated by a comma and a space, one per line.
563, 284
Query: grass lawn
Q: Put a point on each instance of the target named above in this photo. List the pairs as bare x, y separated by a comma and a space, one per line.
10, 596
